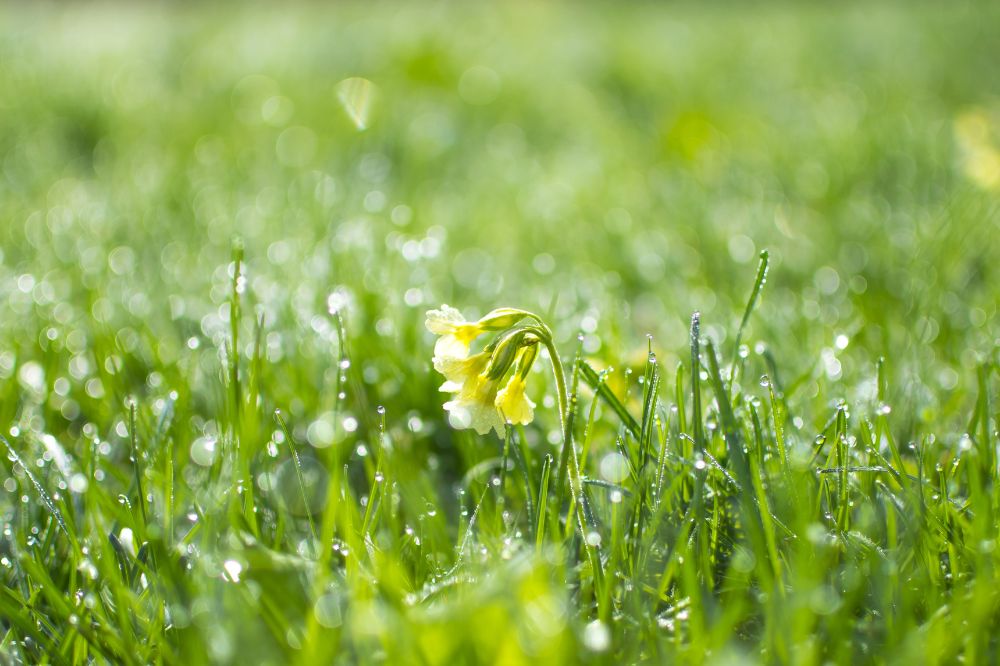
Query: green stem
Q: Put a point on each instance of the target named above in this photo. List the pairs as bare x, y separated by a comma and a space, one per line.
575, 476
568, 457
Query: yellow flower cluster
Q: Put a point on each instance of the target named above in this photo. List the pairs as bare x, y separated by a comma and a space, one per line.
489, 386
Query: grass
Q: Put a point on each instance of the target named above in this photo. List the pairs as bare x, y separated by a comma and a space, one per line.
225, 443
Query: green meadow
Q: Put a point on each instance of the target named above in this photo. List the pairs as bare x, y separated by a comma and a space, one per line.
754, 252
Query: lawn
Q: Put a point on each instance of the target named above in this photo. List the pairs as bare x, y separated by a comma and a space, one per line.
745, 258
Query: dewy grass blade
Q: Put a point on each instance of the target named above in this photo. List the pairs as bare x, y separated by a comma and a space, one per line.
758, 285
697, 424
737, 455
778, 419
543, 500
298, 474
597, 383
42, 494
522, 466
136, 461
23, 618
376, 486
236, 394
666, 434
501, 499
651, 386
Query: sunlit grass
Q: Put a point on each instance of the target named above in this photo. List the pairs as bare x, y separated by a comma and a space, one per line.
220, 232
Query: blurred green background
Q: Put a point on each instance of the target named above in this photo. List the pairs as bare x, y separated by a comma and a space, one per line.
621, 167
615, 167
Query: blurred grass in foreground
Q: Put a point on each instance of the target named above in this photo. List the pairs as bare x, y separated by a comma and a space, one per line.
616, 169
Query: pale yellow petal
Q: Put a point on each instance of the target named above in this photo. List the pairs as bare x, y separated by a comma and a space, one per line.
459, 370
514, 403
444, 320
448, 346
474, 406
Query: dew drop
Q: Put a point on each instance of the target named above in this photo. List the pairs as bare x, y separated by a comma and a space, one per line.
233, 570
597, 636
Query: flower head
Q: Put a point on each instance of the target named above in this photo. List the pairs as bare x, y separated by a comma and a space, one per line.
476, 379
480, 403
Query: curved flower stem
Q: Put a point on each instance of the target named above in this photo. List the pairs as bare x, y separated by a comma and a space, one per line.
583, 515
568, 457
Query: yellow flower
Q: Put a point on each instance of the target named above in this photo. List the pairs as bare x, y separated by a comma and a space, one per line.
474, 406
476, 379
512, 402
456, 333
458, 371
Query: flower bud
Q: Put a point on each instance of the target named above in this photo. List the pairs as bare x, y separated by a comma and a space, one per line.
528, 354
504, 354
501, 318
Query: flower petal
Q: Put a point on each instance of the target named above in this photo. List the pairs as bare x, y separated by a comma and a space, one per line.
514, 404
444, 320
448, 346
459, 370
474, 406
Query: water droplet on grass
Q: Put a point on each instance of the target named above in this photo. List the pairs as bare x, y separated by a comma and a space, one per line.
233, 570
203, 451
78, 483
597, 636
327, 610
